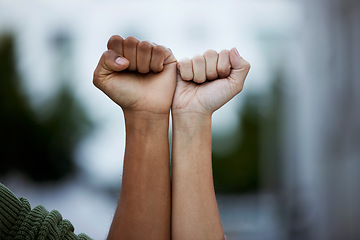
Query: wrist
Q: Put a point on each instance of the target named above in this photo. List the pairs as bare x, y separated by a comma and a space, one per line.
190, 121
146, 122
191, 138
145, 115
190, 111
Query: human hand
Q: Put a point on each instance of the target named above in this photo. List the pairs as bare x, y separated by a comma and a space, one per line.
204, 84
208, 81
137, 75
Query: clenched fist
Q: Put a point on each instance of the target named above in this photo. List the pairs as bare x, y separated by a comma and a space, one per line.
208, 81
137, 75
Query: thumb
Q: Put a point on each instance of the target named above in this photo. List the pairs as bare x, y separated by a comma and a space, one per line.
239, 69
110, 62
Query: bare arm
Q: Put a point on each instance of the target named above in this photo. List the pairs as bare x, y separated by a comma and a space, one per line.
143, 210
195, 213
141, 77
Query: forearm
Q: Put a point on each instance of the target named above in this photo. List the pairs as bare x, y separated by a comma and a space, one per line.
144, 205
194, 209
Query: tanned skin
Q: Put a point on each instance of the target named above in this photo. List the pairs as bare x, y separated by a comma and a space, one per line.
141, 77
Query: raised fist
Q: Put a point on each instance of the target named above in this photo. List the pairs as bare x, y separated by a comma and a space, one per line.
208, 81
137, 75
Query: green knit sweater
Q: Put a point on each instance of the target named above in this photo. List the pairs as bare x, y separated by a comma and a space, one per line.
18, 221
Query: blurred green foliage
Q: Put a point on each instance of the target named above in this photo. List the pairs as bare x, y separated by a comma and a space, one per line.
253, 154
41, 149
272, 131
238, 170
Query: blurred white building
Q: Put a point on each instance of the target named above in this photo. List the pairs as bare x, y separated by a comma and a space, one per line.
322, 138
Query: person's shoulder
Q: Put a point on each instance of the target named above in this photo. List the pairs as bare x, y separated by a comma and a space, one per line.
7, 195
4, 189
16, 212
11, 208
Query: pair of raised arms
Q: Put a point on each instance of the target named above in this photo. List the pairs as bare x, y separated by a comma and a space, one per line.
146, 80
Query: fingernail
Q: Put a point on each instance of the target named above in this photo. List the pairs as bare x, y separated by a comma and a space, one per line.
237, 53
120, 61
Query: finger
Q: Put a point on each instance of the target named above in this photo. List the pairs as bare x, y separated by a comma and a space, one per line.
115, 43
157, 58
186, 69
223, 65
143, 56
198, 63
169, 56
211, 58
240, 69
130, 46
109, 62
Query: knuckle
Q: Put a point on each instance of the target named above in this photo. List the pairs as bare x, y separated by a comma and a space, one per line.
224, 52
210, 53
198, 59
158, 50
169, 50
114, 40
186, 62
131, 41
144, 46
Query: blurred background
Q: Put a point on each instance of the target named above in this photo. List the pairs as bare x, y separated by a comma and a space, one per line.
286, 151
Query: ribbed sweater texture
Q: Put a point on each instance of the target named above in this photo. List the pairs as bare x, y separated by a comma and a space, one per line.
18, 221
